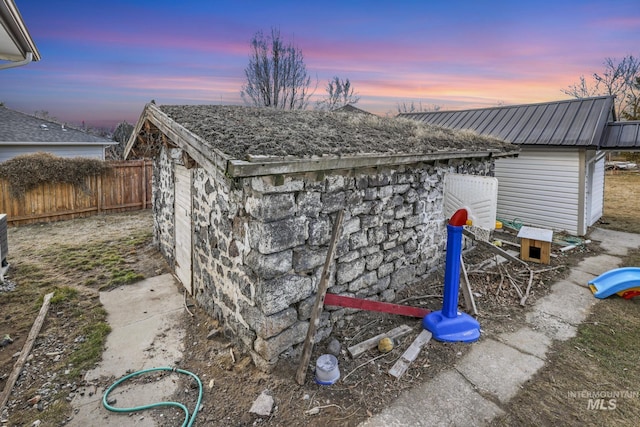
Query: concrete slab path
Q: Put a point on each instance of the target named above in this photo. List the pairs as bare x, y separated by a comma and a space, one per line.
145, 319
473, 391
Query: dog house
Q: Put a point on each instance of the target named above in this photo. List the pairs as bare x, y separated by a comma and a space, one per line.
245, 199
535, 244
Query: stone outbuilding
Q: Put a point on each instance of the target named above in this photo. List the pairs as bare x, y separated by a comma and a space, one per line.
245, 199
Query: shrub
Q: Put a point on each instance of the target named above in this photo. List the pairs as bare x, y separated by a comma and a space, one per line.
28, 171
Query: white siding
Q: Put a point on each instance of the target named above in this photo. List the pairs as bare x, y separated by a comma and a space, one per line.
10, 151
183, 225
596, 203
540, 188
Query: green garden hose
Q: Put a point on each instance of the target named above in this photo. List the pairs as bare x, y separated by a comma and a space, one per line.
188, 420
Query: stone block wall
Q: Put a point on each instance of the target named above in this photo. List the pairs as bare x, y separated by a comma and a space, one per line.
260, 244
163, 195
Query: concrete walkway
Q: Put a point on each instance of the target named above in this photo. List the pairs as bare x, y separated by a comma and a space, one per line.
473, 391
144, 318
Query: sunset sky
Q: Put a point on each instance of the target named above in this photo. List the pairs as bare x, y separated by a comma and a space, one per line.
103, 60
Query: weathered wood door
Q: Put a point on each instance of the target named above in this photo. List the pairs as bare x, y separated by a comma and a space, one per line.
183, 225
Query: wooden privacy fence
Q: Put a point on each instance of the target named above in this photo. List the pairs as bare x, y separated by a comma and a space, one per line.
126, 186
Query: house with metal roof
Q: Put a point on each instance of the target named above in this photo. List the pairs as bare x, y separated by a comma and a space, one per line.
557, 181
25, 134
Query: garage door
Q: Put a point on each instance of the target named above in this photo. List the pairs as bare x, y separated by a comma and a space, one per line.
183, 225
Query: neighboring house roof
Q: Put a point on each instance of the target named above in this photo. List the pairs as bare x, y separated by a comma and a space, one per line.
15, 41
622, 135
17, 127
218, 136
349, 108
574, 122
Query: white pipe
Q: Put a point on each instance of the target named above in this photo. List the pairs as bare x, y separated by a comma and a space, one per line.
28, 59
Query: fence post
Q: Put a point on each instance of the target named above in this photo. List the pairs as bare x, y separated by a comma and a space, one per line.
99, 184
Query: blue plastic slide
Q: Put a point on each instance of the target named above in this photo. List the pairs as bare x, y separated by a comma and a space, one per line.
622, 281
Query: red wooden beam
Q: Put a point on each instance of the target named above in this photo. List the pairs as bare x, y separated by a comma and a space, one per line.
384, 307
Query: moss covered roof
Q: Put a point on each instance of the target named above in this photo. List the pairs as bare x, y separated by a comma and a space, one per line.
242, 131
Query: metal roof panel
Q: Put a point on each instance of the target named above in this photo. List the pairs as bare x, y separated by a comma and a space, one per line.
574, 122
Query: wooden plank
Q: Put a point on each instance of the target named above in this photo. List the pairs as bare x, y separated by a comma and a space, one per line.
241, 168
369, 305
469, 301
26, 349
317, 306
410, 354
493, 248
395, 333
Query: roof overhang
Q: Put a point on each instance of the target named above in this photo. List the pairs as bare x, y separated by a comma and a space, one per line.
16, 44
216, 162
622, 136
104, 143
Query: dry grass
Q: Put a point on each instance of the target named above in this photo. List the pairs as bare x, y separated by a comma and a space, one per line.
603, 358
622, 201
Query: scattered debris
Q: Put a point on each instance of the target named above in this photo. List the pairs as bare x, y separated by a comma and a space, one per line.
316, 409
263, 405
213, 333
385, 345
6, 340
334, 347
28, 345
370, 305
470, 303
360, 348
410, 354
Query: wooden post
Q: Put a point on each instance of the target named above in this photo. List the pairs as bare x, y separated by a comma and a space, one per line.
99, 185
28, 345
469, 301
317, 307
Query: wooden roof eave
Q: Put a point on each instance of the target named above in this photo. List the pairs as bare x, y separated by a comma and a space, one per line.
213, 160
268, 165
216, 162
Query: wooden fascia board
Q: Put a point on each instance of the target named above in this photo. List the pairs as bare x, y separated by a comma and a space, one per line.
211, 159
136, 132
194, 145
241, 168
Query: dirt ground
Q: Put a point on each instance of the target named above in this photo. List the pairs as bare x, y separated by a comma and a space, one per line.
231, 381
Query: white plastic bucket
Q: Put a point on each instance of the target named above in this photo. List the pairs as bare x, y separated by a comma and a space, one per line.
327, 371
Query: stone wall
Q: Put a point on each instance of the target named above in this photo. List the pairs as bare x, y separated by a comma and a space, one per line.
260, 243
163, 195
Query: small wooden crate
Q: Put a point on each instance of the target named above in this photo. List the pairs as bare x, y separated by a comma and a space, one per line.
535, 244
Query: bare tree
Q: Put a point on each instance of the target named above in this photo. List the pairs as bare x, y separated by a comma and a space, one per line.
339, 93
121, 135
276, 75
617, 79
632, 112
412, 107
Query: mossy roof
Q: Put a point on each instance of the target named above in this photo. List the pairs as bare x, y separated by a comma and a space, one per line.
240, 132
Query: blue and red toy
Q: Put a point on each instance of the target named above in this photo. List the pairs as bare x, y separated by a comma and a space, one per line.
622, 281
449, 324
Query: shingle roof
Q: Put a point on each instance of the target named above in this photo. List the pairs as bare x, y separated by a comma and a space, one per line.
574, 122
16, 127
621, 135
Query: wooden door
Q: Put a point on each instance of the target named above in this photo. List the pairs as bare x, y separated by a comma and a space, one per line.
183, 225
